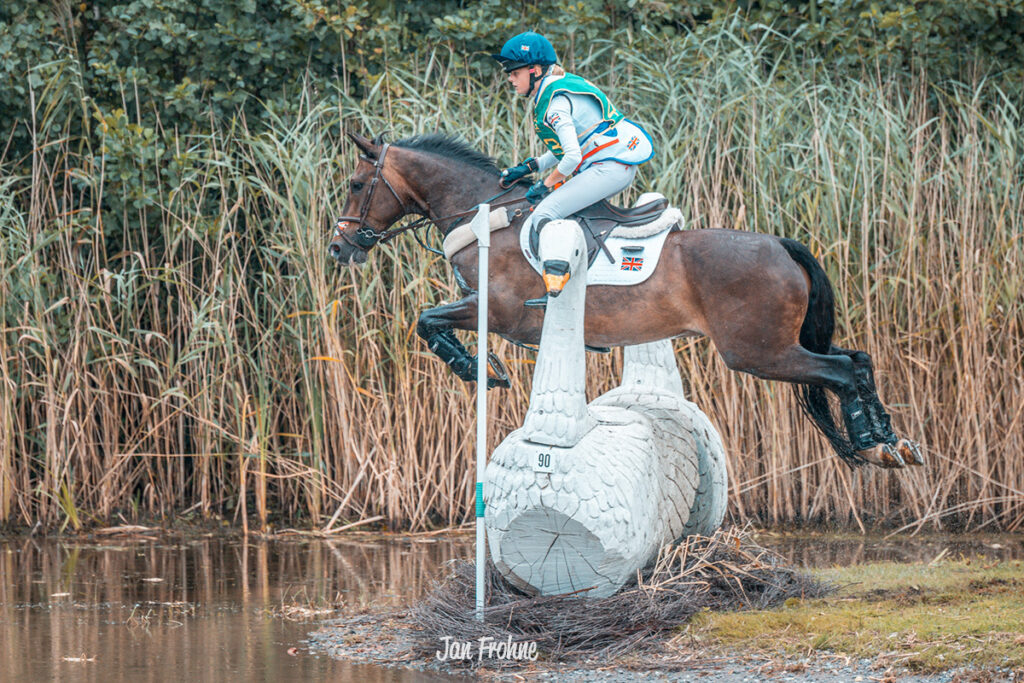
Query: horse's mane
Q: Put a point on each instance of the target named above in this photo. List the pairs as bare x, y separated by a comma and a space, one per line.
449, 147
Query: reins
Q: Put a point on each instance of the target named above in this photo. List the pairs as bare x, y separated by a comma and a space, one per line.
389, 235
367, 236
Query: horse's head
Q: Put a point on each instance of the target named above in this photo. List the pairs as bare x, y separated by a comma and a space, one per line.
373, 203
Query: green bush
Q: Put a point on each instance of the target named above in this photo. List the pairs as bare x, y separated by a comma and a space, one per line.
175, 63
121, 83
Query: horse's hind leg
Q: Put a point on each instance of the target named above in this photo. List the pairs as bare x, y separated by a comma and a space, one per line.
818, 372
881, 423
435, 327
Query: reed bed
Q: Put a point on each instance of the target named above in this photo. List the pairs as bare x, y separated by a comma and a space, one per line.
176, 339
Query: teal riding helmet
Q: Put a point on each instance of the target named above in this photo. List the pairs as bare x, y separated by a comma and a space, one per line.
526, 49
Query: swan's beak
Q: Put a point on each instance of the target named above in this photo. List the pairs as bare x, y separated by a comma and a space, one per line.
556, 274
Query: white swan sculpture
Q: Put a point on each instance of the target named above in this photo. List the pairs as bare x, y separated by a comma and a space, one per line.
582, 496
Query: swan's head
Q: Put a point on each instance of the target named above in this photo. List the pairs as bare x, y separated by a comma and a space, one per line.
562, 251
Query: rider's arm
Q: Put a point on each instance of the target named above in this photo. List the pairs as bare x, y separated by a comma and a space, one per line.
559, 117
546, 161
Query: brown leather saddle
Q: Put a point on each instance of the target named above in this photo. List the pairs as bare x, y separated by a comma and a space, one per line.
598, 220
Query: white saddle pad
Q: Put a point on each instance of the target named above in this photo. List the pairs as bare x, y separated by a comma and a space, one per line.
635, 251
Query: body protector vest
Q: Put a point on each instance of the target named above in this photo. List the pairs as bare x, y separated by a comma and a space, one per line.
614, 138
576, 85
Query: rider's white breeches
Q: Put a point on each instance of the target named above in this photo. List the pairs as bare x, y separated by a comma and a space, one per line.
599, 181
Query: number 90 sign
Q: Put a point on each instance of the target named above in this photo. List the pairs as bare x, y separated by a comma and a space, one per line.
543, 462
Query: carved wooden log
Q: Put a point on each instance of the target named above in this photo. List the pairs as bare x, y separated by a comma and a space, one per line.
582, 496
651, 384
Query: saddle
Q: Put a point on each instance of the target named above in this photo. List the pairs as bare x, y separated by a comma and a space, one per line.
600, 219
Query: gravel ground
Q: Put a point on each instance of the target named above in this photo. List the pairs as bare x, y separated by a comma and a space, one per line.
799, 671
383, 640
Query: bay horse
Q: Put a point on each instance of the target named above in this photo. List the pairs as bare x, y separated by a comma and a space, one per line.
764, 301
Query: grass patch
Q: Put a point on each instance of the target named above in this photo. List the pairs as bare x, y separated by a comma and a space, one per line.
927, 617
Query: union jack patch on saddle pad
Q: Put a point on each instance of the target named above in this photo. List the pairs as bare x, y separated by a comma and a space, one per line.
634, 141
632, 263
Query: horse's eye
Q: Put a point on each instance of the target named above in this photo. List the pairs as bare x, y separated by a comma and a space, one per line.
356, 187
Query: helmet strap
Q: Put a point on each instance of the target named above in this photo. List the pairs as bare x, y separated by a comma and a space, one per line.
534, 78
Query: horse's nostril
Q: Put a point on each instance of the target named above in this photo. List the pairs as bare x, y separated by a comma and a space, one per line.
334, 250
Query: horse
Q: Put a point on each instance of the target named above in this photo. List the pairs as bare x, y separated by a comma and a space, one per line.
764, 301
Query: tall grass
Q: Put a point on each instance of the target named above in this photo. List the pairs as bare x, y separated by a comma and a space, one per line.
220, 362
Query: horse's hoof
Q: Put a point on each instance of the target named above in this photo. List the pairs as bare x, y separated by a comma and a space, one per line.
910, 452
497, 373
883, 455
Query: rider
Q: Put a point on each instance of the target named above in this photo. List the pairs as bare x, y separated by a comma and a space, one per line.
593, 149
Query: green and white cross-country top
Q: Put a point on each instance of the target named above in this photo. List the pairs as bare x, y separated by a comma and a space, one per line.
580, 126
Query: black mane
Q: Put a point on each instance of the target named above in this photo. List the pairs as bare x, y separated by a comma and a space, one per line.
450, 147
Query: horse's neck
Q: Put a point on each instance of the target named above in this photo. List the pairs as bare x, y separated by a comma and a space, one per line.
455, 189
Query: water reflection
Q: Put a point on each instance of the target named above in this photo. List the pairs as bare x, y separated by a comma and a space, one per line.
208, 609
826, 550
135, 609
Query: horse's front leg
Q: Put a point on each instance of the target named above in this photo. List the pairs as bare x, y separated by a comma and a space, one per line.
436, 327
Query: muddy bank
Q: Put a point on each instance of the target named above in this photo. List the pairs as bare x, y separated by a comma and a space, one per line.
384, 644
954, 617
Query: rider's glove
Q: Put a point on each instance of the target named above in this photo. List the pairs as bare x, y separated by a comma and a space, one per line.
537, 192
510, 175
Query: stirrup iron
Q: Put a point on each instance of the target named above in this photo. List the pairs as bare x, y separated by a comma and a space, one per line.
539, 302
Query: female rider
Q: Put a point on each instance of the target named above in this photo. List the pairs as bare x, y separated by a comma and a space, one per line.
593, 149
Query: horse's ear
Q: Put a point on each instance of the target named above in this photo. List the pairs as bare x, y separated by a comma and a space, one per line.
367, 147
379, 140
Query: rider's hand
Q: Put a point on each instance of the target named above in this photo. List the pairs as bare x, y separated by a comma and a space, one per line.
537, 192
510, 175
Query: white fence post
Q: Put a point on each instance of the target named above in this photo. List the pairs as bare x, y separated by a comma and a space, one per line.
482, 229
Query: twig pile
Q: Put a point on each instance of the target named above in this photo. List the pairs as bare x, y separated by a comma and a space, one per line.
727, 571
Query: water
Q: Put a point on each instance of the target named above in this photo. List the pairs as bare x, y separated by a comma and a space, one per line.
199, 609
218, 608
827, 550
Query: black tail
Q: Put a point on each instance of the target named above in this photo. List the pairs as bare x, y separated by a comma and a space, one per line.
816, 335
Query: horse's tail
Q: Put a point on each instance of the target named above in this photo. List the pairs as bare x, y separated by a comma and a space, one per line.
816, 335
820, 322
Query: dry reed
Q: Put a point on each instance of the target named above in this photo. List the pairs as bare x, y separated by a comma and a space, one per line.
212, 358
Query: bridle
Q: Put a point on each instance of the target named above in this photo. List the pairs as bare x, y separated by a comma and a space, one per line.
366, 236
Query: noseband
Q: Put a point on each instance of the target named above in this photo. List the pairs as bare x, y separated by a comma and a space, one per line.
365, 235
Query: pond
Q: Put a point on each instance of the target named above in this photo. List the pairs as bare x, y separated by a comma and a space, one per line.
216, 608
207, 609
